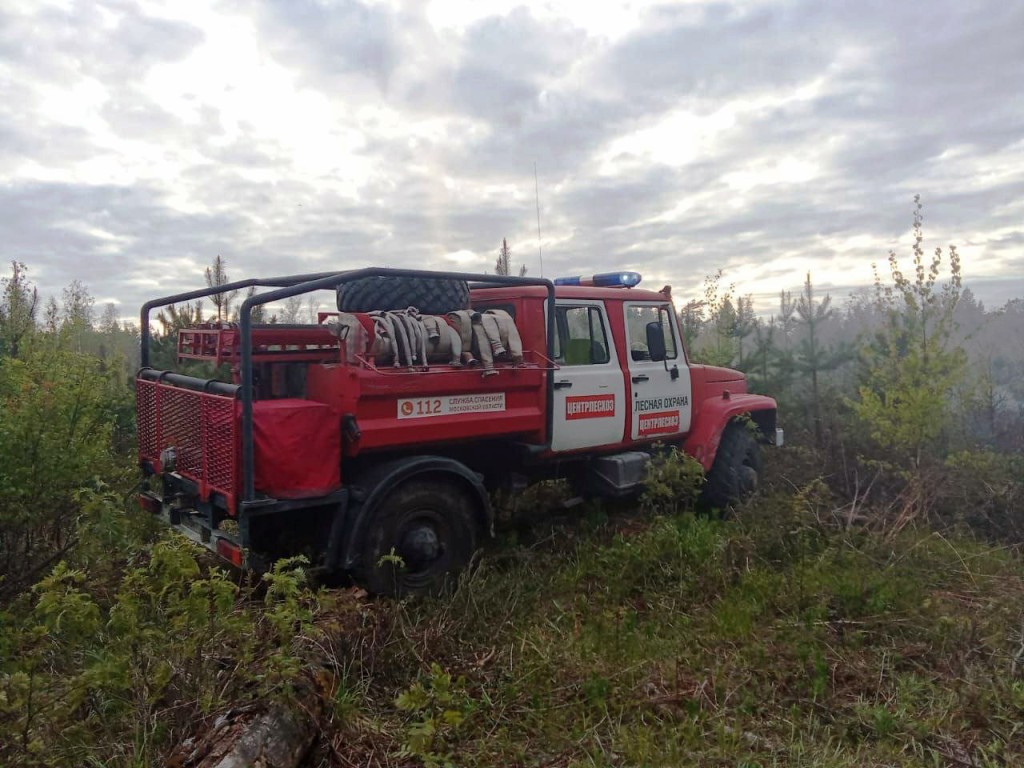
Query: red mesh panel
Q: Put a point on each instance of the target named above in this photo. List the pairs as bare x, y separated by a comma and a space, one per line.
145, 419
181, 426
220, 418
203, 429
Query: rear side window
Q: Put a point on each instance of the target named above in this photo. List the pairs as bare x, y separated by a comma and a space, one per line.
581, 338
637, 319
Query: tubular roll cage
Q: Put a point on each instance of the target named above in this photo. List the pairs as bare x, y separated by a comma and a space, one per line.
296, 285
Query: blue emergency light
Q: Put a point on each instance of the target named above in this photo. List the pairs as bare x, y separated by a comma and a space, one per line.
604, 280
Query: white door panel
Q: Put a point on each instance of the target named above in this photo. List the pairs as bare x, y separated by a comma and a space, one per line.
659, 390
590, 396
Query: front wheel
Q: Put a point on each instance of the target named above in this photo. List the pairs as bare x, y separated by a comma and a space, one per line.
423, 535
737, 468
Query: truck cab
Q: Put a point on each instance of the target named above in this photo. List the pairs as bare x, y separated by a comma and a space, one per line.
610, 392
382, 429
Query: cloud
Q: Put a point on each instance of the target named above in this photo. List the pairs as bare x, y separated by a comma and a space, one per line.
329, 41
137, 141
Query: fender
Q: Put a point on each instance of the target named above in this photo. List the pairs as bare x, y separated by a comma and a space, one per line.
380, 480
714, 415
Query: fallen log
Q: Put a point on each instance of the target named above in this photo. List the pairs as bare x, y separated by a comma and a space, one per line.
243, 738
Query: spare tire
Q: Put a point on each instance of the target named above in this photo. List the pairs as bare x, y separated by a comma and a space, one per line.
430, 296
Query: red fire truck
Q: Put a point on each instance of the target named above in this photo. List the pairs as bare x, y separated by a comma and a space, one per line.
371, 440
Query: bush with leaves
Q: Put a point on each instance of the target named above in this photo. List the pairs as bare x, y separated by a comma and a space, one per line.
715, 326
913, 364
59, 408
912, 369
115, 670
673, 483
437, 707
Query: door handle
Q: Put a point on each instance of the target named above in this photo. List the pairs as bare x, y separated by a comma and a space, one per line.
563, 384
641, 377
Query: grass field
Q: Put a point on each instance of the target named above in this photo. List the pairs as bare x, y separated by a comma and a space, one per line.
774, 638
629, 635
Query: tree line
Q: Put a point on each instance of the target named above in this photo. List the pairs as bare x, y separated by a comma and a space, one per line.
906, 376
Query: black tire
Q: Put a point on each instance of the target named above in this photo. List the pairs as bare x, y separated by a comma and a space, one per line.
422, 536
736, 471
429, 296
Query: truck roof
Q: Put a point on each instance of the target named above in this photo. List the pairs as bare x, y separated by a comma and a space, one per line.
572, 292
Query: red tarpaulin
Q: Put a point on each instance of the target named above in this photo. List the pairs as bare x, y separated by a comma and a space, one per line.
298, 448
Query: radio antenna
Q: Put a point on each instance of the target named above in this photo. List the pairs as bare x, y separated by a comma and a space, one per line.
536, 191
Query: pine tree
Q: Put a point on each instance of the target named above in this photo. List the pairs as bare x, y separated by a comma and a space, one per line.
743, 325
811, 356
110, 322
787, 308
217, 276
765, 354
503, 266
172, 319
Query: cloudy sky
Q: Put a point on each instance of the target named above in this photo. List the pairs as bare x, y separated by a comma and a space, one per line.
140, 139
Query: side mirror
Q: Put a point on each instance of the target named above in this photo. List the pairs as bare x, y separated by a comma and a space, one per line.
656, 341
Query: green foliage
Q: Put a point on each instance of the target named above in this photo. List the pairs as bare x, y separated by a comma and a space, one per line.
290, 608
813, 357
103, 660
59, 408
715, 326
983, 492
673, 482
164, 340
774, 638
683, 554
794, 633
437, 708
913, 364
19, 303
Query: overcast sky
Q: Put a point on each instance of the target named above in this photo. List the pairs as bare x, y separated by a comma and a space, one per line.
138, 140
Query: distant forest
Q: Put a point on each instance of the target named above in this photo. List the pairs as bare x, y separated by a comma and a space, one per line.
812, 352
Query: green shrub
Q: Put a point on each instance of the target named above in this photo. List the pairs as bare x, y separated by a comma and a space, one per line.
117, 671
55, 438
673, 482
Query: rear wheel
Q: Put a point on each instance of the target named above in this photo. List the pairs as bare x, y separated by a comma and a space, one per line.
423, 535
737, 468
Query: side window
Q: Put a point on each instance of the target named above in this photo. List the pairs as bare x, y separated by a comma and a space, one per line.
637, 319
581, 337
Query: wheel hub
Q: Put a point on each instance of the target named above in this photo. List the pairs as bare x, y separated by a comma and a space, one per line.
420, 547
748, 479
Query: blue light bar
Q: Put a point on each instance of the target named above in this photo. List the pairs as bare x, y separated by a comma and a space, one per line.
604, 280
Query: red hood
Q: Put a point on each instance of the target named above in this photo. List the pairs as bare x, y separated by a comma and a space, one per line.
714, 373
712, 381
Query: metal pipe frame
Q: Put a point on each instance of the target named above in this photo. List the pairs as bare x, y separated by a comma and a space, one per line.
295, 285
202, 293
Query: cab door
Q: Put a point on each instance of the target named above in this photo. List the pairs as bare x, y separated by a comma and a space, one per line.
660, 406
590, 395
